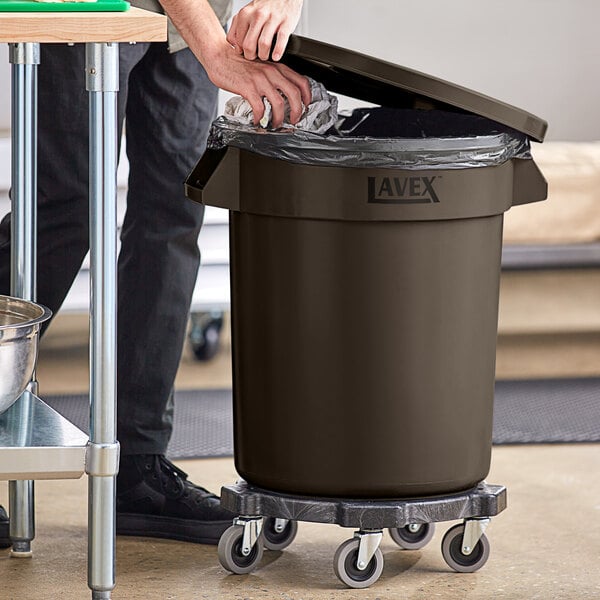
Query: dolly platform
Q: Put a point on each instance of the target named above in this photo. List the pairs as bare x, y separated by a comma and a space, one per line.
269, 520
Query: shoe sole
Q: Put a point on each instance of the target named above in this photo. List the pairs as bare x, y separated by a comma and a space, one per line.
4, 532
183, 530
157, 527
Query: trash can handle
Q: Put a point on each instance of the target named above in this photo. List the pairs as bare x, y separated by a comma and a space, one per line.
529, 185
215, 179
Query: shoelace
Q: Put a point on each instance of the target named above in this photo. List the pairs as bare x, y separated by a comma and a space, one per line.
180, 478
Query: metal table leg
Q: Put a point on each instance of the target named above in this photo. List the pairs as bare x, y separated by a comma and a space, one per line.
102, 82
24, 58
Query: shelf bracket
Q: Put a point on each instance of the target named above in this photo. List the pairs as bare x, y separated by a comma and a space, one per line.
102, 460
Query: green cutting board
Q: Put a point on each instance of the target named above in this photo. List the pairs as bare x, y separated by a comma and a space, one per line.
32, 6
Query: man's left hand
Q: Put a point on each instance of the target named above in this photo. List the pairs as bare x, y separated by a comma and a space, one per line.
254, 29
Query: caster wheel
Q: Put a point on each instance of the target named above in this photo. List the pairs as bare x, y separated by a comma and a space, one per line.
230, 552
453, 554
414, 536
274, 540
344, 565
205, 335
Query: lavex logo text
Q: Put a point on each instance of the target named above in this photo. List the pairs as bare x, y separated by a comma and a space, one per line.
402, 190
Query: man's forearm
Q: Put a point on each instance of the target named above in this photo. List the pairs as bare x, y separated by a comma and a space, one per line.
199, 26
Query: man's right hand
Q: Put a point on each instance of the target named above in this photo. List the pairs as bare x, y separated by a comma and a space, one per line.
257, 80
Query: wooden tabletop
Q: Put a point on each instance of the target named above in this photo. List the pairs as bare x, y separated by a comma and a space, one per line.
133, 25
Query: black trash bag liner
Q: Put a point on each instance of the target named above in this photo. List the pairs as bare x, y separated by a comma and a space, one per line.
383, 122
385, 138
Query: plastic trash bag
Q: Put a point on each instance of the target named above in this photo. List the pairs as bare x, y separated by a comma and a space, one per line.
386, 138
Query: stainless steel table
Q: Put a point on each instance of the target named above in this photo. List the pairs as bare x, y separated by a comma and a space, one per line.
35, 441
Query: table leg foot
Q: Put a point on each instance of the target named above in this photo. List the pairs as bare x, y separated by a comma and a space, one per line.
21, 550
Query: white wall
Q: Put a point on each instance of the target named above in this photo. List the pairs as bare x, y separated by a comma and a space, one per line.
541, 55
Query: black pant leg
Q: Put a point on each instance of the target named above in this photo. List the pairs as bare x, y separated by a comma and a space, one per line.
171, 104
63, 153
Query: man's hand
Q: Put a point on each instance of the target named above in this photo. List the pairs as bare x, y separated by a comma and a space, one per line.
254, 80
257, 80
256, 26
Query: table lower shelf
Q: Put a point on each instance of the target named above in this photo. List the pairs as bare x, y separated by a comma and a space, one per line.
38, 443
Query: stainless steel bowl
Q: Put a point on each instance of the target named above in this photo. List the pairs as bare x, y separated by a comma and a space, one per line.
20, 322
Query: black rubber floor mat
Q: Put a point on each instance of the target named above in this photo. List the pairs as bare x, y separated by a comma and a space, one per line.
547, 411
202, 423
526, 412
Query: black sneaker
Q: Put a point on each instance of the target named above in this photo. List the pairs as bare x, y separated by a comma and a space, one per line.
155, 499
4, 529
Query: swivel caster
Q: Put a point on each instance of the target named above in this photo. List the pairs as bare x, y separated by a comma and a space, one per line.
278, 534
205, 334
459, 554
413, 536
240, 549
358, 562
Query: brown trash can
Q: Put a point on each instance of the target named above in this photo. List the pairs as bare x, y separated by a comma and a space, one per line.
365, 298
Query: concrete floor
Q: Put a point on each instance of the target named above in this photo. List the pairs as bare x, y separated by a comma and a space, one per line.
545, 546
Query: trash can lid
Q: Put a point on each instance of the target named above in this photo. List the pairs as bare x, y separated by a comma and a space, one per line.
381, 82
